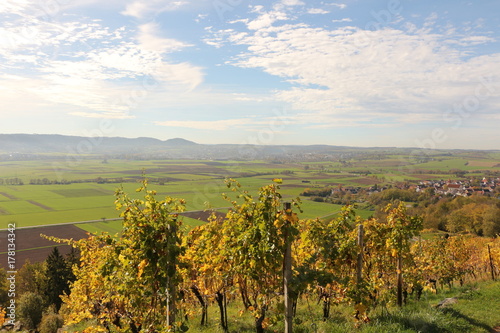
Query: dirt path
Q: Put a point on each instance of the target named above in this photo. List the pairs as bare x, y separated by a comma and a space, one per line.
39, 205
8, 196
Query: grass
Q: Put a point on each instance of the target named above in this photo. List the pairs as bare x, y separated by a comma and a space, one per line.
477, 311
471, 305
20, 207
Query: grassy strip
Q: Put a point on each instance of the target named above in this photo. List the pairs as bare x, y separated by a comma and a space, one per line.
33, 248
477, 310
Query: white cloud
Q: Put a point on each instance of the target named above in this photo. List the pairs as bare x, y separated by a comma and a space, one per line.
266, 20
90, 69
14, 6
342, 20
215, 125
475, 40
292, 2
101, 115
141, 9
361, 75
317, 11
338, 5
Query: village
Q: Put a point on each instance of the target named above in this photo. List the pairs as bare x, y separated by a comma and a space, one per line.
465, 188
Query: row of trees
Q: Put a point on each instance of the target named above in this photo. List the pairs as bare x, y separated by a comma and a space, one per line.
11, 181
154, 277
98, 180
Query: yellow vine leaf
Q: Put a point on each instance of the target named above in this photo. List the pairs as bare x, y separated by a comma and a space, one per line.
143, 264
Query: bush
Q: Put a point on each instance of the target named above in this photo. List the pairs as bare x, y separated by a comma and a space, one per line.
30, 310
51, 323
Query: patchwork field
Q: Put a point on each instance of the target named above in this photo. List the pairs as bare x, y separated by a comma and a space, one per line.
69, 190
56, 191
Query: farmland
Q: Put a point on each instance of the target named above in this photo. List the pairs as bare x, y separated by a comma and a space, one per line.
61, 190
65, 189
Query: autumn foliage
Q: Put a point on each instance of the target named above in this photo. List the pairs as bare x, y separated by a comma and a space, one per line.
155, 276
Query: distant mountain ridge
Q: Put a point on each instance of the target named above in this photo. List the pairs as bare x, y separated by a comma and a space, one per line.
52, 143
43, 146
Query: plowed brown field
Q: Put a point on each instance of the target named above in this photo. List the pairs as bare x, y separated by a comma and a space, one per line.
30, 245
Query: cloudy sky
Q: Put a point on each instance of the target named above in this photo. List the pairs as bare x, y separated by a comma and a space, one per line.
358, 73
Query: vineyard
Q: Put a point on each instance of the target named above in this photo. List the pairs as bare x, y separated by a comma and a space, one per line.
262, 259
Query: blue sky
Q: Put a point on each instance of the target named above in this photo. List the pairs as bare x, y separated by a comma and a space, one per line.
355, 73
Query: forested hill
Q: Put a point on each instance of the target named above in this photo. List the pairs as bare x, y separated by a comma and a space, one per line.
36, 146
53, 143
19, 146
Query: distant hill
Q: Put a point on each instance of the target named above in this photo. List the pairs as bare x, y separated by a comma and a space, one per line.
179, 142
38, 146
54, 143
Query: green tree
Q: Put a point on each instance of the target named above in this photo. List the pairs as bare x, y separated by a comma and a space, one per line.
30, 310
491, 222
59, 276
51, 322
4, 288
32, 277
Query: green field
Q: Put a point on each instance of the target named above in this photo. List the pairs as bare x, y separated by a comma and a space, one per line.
86, 187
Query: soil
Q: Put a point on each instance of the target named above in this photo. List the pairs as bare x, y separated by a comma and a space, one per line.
30, 245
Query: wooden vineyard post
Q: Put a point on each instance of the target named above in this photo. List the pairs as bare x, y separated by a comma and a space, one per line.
359, 275
287, 270
492, 267
359, 268
400, 279
171, 285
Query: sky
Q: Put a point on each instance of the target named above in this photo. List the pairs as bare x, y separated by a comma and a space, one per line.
386, 73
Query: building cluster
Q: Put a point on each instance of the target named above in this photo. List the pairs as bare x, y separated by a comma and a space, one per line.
464, 188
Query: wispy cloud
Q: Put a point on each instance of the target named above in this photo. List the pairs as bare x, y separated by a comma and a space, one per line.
411, 76
142, 9
292, 2
317, 11
103, 115
338, 5
342, 20
215, 125
86, 65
